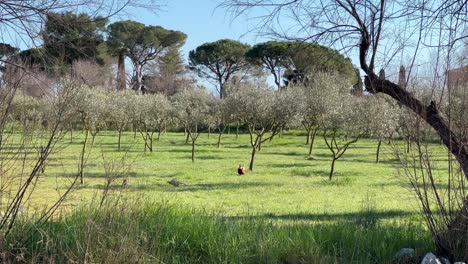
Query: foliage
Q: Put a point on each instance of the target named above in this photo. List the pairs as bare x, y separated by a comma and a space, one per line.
310, 58
151, 113
6, 51
69, 37
191, 109
167, 75
341, 121
142, 44
275, 56
219, 61
263, 112
382, 116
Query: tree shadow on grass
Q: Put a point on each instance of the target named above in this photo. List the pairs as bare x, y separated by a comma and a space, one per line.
407, 185
352, 216
165, 187
283, 166
288, 153
209, 157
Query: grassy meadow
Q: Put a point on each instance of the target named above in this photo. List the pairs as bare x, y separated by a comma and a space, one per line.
285, 211
284, 182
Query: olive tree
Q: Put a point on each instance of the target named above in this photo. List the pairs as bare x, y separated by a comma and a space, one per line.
220, 117
263, 112
152, 111
121, 111
313, 106
382, 119
90, 104
191, 108
342, 121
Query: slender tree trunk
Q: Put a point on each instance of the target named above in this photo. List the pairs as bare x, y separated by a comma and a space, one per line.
332, 169
120, 136
252, 158
82, 157
219, 138
209, 132
151, 141
134, 132
187, 138
121, 75
221, 88
377, 154
408, 144
193, 150
309, 132
237, 130
312, 140
160, 130
71, 135
139, 78
93, 137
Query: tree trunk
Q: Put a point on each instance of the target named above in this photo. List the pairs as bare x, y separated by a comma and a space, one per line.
408, 144
120, 136
252, 158
219, 138
71, 135
121, 75
312, 140
82, 157
139, 78
332, 169
308, 136
193, 150
237, 130
377, 154
93, 137
221, 88
151, 142
187, 138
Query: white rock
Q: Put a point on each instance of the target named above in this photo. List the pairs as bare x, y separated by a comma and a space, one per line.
430, 258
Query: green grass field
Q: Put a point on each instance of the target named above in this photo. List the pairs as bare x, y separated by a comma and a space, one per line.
284, 184
364, 214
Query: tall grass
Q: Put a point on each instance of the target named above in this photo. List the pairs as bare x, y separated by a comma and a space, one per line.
142, 232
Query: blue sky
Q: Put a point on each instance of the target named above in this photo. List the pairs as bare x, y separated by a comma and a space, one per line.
200, 20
